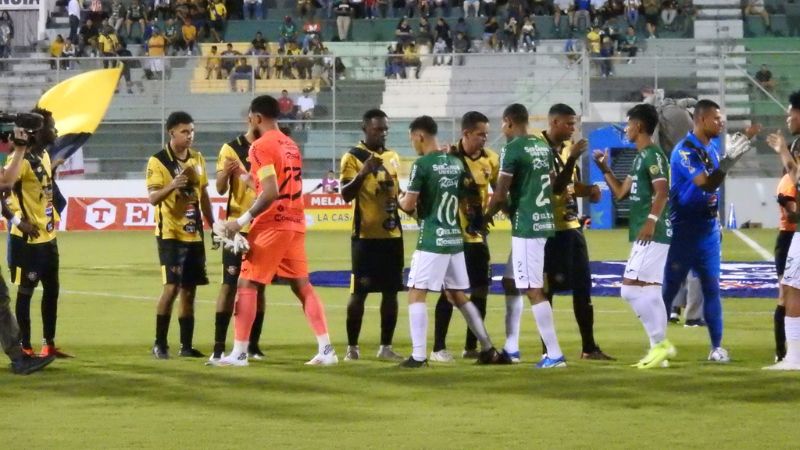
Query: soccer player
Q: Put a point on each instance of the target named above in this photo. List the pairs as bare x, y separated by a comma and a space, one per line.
524, 187
21, 363
32, 245
566, 257
438, 262
647, 185
369, 179
790, 283
177, 186
277, 233
481, 166
787, 204
697, 173
233, 174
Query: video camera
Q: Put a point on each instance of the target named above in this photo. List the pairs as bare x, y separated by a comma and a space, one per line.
30, 122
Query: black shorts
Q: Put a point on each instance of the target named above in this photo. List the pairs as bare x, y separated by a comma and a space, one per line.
377, 265
30, 263
652, 19
231, 265
782, 244
182, 263
566, 261
476, 255
218, 25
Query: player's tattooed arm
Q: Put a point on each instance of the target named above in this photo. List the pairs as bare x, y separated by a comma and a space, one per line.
620, 190
564, 178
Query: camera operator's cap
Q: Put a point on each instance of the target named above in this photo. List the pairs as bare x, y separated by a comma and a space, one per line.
308, 88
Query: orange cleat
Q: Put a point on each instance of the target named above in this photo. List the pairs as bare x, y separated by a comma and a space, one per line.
52, 350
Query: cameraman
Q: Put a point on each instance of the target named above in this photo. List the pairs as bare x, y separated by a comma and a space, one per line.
21, 363
33, 248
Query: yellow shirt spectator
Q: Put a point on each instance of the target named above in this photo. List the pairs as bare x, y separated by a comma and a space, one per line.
56, 49
156, 45
189, 32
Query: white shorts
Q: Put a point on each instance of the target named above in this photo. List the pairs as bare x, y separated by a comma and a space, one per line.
437, 271
791, 275
526, 262
646, 263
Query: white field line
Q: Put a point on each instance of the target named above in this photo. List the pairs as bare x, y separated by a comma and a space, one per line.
762, 252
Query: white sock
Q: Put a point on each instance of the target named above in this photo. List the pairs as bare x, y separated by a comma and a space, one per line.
513, 316
418, 321
648, 307
658, 312
792, 325
323, 340
475, 323
543, 315
240, 347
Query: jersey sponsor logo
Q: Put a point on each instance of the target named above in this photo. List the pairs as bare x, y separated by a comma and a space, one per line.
540, 163
446, 169
447, 242
445, 183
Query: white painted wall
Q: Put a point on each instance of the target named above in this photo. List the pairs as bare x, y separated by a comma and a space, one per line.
754, 200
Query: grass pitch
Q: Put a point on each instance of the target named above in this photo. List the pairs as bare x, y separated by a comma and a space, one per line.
114, 395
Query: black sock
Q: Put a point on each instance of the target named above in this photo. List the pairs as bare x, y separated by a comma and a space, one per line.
162, 328
471, 342
255, 332
221, 322
49, 311
23, 313
388, 317
187, 331
584, 315
444, 311
780, 331
355, 314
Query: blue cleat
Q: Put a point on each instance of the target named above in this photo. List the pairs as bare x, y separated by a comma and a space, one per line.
549, 363
509, 358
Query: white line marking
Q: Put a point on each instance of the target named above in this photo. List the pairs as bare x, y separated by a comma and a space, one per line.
754, 245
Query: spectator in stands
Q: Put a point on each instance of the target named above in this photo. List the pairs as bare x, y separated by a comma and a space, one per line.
242, 71
285, 106
305, 9
344, 14
217, 15
383, 8
74, 13
632, 11
425, 7
107, 44
474, 5
213, 64
96, 11
68, 53
593, 42
489, 8
444, 7
312, 32
410, 7
182, 10
510, 36
56, 51
540, 7
287, 32
117, 17
599, 11
358, 8
411, 59
764, 78
461, 46
88, 38
528, 35
403, 33
461, 27
490, 28
439, 50
562, 8
371, 9
629, 44
651, 9
607, 61
305, 108
156, 49
329, 184
757, 8
669, 12
173, 36
614, 8
199, 15
582, 14
304, 64
161, 10
442, 30
394, 62
258, 45
252, 9
424, 33
188, 37
611, 31
229, 57
123, 52
279, 64
136, 14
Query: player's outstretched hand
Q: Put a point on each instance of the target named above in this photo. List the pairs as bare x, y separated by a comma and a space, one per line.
595, 194
601, 159
776, 141
752, 130
578, 148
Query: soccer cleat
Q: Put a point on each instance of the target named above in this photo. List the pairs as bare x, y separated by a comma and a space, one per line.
719, 355
783, 365
549, 363
234, 359
254, 352
52, 350
386, 352
489, 356
657, 355
26, 364
693, 323
509, 358
191, 353
28, 351
160, 352
596, 355
412, 363
325, 358
214, 359
353, 353
675, 315
470, 354
442, 356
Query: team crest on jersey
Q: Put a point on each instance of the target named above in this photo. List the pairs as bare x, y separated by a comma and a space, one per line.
231, 270
654, 170
33, 276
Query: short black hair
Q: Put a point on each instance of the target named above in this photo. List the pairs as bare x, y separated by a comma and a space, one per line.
265, 105
471, 119
177, 118
704, 106
647, 114
425, 124
560, 109
794, 100
373, 114
517, 113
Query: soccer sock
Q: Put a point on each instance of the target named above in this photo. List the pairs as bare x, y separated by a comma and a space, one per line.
658, 314
258, 324
441, 323
162, 328
245, 313
23, 312
473, 317
221, 322
584, 315
543, 315
418, 321
480, 302
792, 325
712, 310
186, 325
513, 319
315, 314
648, 308
355, 315
49, 311
780, 332
389, 309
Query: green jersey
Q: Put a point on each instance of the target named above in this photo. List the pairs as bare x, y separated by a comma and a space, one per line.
437, 178
649, 165
529, 161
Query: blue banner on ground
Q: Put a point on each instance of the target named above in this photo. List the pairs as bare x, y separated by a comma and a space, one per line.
739, 279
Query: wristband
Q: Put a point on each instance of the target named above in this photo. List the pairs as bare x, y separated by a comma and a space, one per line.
15, 220
245, 219
652, 217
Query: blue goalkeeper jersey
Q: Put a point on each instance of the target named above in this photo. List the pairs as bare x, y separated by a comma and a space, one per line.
692, 208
